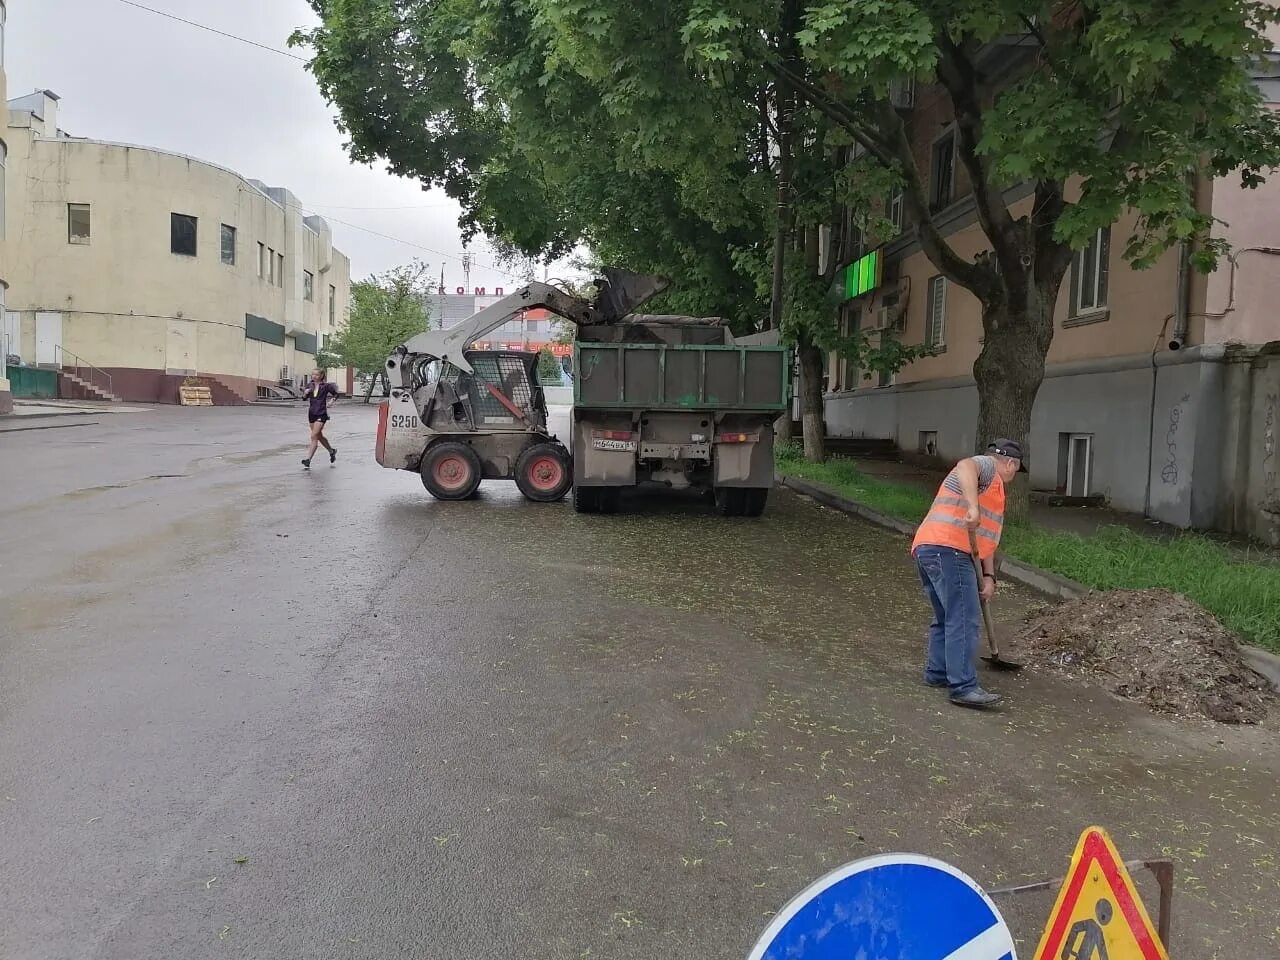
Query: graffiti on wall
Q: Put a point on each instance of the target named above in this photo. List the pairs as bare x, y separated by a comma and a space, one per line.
1169, 472
1269, 446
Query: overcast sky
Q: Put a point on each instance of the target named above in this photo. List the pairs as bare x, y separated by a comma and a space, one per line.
128, 75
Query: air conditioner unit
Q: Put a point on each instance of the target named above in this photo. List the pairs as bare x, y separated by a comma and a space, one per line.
902, 93
889, 319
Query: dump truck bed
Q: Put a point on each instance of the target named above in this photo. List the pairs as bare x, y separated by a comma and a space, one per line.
681, 377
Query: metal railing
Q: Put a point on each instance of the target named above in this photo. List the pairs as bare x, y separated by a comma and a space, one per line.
83, 369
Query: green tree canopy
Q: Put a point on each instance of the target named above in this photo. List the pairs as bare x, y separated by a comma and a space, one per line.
386, 310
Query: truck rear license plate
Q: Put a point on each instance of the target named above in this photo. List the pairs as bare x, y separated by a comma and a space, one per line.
622, 446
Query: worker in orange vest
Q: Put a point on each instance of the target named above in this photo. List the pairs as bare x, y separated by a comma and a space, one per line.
971, 498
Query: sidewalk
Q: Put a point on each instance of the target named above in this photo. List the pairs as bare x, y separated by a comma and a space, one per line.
68, 408
47, 414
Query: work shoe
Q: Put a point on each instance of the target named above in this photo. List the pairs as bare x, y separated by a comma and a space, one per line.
306, 464
977, 699
333, 455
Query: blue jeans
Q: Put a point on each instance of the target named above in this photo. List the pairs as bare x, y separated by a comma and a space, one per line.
952, 588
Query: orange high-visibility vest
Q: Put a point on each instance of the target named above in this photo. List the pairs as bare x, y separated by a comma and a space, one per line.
944, 525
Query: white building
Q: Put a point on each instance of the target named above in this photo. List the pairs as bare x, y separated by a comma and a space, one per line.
139, 268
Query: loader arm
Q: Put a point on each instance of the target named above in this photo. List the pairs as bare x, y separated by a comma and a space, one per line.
448, 345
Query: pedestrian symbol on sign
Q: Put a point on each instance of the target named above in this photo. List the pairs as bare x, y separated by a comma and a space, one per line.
1086, 941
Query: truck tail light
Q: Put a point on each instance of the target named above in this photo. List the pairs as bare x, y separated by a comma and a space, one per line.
380, 446
612, 435
737, 438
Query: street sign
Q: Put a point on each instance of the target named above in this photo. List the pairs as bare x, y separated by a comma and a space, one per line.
1099, 915
897, 905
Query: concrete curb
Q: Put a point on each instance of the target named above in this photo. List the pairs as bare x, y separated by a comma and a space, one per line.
47, 426
23, 417
1263, 662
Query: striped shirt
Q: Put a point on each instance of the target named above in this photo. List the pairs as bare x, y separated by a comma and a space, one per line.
986, 473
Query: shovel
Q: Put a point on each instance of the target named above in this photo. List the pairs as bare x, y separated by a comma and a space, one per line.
993, 659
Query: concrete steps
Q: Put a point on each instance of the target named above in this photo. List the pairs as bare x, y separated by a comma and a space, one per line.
72, 383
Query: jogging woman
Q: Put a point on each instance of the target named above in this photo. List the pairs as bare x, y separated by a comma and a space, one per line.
319, 392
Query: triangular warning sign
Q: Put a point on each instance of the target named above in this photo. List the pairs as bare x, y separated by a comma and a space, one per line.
1098, 915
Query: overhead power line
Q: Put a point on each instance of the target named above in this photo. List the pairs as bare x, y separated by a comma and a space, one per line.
221, 33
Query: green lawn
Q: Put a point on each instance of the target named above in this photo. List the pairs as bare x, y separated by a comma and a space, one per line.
1244, 596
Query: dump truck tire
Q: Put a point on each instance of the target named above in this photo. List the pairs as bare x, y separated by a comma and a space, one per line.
450, 471
754, 500
586, 499
544, 472
730, 501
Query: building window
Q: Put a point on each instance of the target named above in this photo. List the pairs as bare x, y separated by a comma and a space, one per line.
942, 172
262, 260
271, 266
333, 305
228, 245
308, 285
280, 269
1089, 271
928, 443
894, 209
78, 223
182, 234
936, 314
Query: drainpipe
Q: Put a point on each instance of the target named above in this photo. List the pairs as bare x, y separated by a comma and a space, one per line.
1183, 302
1182, 297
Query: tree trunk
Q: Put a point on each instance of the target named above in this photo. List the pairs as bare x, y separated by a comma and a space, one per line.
782, 233
1009, 372
812, 361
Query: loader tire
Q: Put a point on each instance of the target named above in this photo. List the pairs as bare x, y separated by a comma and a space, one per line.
451, 471
544, 472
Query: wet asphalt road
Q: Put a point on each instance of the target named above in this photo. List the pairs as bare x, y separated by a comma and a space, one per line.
249, 712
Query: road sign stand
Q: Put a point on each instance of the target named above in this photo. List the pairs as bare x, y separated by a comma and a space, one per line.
1161, 869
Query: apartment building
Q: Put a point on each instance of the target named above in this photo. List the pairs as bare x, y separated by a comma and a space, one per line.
139, 268
6, 394
1160, 393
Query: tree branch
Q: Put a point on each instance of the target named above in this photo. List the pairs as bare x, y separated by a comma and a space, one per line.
891, 146
957, 74
837, 111
949, 263
1052, 256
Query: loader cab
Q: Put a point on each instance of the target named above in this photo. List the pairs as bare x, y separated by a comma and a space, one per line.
501, 395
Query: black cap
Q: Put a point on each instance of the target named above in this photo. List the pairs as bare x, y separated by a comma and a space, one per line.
1008, 448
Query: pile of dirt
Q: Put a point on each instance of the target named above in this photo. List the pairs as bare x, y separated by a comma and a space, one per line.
1153, 646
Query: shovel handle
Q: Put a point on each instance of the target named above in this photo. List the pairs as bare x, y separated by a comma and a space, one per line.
986, 614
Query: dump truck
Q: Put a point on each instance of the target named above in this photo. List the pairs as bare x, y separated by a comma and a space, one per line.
675, 401
668, 400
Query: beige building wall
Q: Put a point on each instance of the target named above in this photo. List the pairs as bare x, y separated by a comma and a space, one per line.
130, 305
1174, 433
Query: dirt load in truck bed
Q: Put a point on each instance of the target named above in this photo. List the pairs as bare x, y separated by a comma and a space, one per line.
1153, 646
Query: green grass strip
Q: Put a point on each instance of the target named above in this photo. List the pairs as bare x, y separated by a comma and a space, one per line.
1244, 596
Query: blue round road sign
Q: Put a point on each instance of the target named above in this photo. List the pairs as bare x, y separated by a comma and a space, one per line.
898, 906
